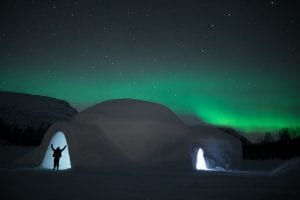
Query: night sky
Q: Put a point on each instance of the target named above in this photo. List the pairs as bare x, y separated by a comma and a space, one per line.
230, 63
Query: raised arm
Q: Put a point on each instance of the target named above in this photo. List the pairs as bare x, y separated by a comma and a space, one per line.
52, 147
64, 148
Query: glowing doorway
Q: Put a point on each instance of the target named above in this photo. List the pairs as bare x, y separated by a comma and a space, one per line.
200, 163
58, 139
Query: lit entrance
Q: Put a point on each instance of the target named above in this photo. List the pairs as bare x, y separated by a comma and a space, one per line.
58, 140
200, 162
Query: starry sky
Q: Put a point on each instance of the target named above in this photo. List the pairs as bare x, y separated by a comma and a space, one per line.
229, 63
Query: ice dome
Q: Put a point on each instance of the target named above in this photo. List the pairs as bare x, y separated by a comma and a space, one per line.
123, 132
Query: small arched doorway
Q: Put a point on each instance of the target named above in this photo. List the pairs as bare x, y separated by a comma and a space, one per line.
200, 160
58, 139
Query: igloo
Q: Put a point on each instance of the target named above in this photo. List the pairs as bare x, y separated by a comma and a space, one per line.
126, 132
120, 133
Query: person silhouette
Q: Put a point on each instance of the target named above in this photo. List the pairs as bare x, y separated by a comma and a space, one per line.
57, 154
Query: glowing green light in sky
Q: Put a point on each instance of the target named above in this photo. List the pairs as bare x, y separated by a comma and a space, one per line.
260, 106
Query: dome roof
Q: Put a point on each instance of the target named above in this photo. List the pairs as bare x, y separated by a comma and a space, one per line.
128, 109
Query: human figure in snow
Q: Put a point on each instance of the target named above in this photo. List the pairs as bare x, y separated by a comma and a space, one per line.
57, 154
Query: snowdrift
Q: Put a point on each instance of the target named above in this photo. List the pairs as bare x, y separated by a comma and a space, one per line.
290, 167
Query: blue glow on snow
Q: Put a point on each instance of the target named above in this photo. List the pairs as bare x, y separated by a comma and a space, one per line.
58, 139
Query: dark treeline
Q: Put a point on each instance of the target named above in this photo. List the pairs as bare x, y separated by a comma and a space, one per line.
28, 136
285, 146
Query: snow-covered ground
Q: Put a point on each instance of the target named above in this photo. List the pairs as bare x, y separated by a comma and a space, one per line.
266, 180
72, 184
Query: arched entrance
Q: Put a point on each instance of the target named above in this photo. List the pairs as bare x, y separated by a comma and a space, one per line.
58, 139
200, 160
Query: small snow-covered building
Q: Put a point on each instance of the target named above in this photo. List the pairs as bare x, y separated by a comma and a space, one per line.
118, 133
126, 132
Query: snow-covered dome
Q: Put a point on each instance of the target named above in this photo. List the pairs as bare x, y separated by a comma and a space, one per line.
123, 132
128, 132
129, 109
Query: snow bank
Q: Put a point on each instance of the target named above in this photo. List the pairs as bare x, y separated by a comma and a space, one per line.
289, 167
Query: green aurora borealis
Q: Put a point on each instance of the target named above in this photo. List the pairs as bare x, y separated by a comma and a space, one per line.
229, 63
262, 105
